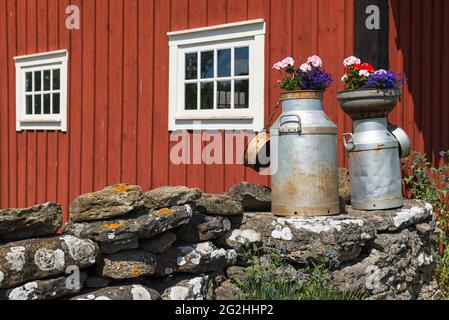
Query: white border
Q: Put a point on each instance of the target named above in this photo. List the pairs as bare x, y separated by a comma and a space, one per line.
41, 60
252, 31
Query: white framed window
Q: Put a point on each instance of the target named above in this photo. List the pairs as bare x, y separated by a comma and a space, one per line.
216, 77
41, 91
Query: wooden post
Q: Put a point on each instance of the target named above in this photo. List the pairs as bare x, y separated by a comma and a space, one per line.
371, 31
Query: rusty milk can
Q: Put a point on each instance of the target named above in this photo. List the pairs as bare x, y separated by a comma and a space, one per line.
304, 161
374, 149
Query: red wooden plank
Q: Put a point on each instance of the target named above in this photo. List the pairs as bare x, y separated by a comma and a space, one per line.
145, 93
129, 142
179, 21
237, 10
349, 49
41, 161
52, 136
115, 90
88, 93
426, 85
64, 138
4, 185
101, 94
75, 111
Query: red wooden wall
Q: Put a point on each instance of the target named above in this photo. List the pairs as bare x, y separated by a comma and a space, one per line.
118, 93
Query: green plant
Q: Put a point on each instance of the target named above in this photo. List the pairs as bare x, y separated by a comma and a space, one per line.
270, 277
424, 182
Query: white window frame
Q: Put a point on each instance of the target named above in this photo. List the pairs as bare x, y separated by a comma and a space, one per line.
35, 62
240, 34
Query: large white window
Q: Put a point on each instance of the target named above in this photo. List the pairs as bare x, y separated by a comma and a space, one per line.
217, 77
41, 91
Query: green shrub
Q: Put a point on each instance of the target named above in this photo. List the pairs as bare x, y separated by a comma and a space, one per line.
431, 184
271, 278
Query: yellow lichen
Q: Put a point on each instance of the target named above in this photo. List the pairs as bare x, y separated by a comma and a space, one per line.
121, 188
113, 226
163, 212
136, 272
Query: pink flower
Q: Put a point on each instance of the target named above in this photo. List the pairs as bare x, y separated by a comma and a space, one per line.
349, 61
305, 67
288, 61
277, 66
315, 61
380, 71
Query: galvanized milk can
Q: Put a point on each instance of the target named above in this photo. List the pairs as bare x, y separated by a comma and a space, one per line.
374, 151
303, 151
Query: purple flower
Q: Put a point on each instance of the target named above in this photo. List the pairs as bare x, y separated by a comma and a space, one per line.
383, 80
316, 79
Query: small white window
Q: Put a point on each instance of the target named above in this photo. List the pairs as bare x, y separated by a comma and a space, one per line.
217, 77
41, 91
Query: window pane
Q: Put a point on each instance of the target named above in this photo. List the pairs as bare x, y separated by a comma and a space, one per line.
47, 80
224, 94
46, 103
241, 94
29, 104
56, 79
37, 80
224, 63
207, 64
241, 61
207, 95
29, 81
37, 104
191, 65
56, 106
191, 96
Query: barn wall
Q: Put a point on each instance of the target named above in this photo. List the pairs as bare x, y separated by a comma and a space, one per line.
118, 94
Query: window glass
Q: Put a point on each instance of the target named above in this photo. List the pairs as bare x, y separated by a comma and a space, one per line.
56, 79
207, 64
191, 66
29, 82
241, 94
56, 103
29, 104
37, 104
207, 95
47, 103
37, 81
224, 95
191, 96
224, 63
242, 61
47, 80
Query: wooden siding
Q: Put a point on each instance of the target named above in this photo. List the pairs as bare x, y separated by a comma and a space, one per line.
118, 93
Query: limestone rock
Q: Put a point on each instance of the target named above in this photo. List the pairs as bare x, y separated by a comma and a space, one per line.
32, 259
164, 197
195, 258
125, 292
49, 289
203, 228
119, 245
197, 288
40, 220
95, 282
143, 224
112, 201
158, 244
253, 197
344, 185
218, 205
128, 265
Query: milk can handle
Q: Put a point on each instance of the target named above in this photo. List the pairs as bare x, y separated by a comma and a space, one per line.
349, 145
298, 127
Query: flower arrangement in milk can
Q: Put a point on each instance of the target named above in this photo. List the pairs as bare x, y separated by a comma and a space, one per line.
308, 76
359, 76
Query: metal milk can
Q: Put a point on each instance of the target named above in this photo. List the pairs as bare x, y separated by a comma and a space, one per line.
304, 163
374, 149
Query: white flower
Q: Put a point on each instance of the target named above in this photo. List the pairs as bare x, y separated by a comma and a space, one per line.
380, 71
344, 78
305, 67
349, 61
364, 73
288, 61
315, 61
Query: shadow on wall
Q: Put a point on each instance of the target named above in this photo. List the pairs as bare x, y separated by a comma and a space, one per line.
418, 47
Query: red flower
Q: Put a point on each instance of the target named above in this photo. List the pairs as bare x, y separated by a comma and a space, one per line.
368, 67
357, 66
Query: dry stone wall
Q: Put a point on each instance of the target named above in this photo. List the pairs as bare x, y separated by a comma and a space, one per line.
177, 243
